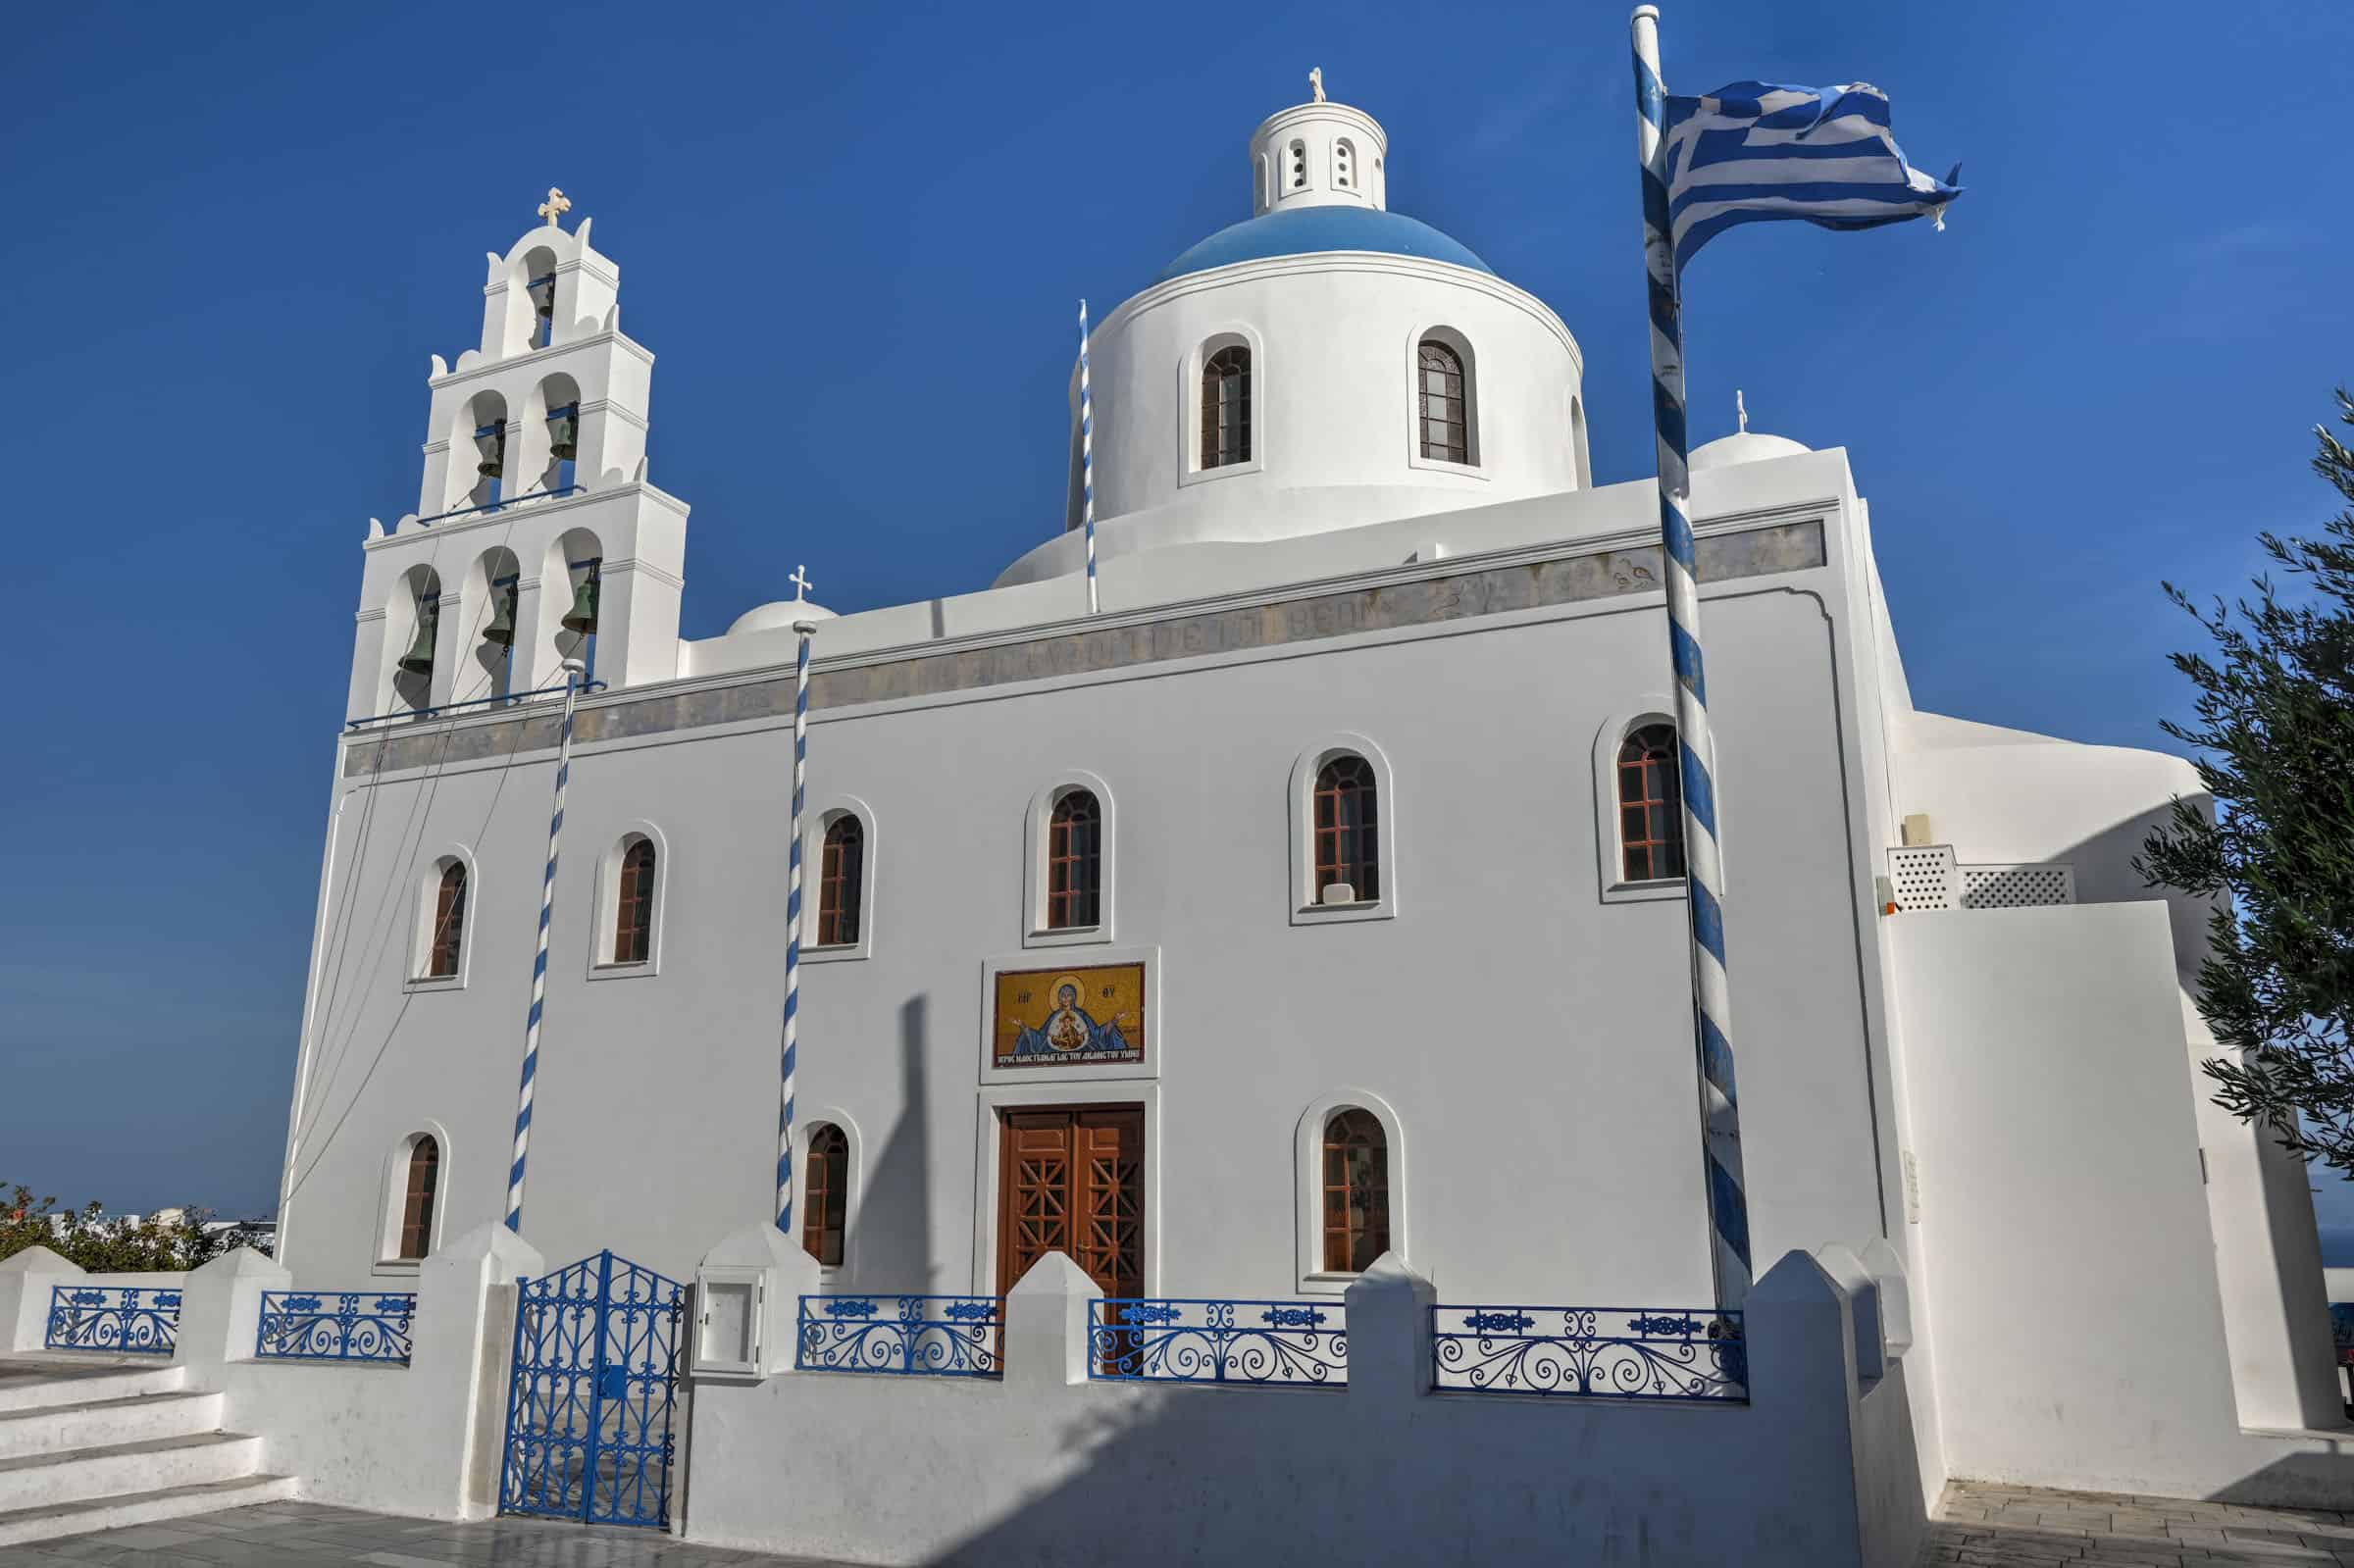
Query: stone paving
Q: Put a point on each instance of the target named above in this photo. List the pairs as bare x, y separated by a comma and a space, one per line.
287, 1534
2020, 1527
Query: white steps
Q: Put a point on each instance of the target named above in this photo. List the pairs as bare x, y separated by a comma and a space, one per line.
58, 1520
89, 1448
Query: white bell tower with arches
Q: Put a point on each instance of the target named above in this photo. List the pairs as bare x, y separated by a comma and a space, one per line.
536, 535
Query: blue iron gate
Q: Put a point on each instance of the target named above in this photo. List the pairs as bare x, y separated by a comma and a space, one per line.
588, 1403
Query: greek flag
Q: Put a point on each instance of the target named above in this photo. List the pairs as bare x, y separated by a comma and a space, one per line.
1754, 151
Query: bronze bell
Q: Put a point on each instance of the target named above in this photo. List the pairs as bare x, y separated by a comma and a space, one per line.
418, 660
582, 616
493, 448
501, 628
564, 433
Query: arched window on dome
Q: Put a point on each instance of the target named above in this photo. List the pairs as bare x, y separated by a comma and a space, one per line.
1344, 165
1296, 166
1651, 806
1226, 407
1443, 403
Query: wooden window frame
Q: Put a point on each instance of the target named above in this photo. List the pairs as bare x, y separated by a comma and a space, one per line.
826, 1181
639, 873
421, 1193
842, 880
1648, 763
1346, 824
1436, 356
1351, 1244
1309, 1184
1229, 366
1074, 867
446, 924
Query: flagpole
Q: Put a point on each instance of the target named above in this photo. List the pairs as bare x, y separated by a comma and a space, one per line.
1087, 457
807, 628
1704, 874
574, 669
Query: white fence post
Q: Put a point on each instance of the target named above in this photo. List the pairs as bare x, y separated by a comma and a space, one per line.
221, 1309
461, 1339
26, 1280
1389, 1333
1864, 1298
1046, 1325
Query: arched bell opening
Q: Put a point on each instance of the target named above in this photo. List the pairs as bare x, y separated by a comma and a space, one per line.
538, 285
552, 440
483, 434
493, 601
576, 565
412, 638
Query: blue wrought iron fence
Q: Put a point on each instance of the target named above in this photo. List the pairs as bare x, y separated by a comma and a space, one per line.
1295, 1344
1597, 1352
132, 1319
908, 1335
335, 1326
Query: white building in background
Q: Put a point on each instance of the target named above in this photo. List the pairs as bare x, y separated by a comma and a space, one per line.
1318, 898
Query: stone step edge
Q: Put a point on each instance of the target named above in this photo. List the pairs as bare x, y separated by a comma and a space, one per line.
44, 1393
120, 1451
57, 1520
123, 1401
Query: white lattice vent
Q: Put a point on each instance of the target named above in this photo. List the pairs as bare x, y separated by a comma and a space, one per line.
2016, 886
1923, 876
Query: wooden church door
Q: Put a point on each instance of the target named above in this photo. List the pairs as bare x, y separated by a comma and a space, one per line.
1072, 1180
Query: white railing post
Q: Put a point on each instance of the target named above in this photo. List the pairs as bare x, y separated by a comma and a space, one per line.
1389, 1333
221, 1309
26, 1278
1046, 1325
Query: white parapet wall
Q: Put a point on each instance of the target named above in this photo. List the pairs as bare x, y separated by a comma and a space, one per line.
1045, 1466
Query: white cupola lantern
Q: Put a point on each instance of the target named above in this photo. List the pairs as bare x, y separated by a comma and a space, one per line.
1319, 154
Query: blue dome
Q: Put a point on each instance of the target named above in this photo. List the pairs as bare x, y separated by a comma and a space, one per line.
1306, 229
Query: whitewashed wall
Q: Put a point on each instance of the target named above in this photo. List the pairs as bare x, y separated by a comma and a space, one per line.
2070, 1272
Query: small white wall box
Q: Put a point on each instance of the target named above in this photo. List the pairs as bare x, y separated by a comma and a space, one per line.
1339, 892
728, 1321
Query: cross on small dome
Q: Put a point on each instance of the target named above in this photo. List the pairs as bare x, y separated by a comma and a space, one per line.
801, 584
555, 207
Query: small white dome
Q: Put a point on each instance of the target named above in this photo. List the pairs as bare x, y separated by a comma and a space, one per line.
1749, 446
779, 614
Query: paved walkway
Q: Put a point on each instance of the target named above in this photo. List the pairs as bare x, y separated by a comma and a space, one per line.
288, 1534
2018, 1527
1993, 1526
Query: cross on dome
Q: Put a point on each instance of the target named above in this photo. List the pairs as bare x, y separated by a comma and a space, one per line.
1741, 411
801, 584
555, 207
1315, 82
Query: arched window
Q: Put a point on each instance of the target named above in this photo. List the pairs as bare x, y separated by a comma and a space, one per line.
1344, 165
1226, 407
840, 882
1651, 806
1074, 861
416, 1202
1356, 1191
826, 1193
634, 907
1445, 433
1348, 830
448, 935
1297, 179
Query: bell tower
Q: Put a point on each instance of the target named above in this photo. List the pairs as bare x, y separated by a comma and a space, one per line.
536, 535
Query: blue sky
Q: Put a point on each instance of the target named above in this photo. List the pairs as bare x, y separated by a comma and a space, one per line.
854, 234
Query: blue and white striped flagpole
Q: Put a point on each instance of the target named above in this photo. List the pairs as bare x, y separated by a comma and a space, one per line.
1703, 872
574, 669
1087, 457
793, 916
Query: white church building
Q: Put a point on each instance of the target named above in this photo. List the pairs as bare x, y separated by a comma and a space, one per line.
1244, 1087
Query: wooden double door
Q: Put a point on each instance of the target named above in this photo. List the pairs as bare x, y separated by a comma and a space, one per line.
1071, 1180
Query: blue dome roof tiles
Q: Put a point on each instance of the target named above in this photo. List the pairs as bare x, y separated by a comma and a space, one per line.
1306, 231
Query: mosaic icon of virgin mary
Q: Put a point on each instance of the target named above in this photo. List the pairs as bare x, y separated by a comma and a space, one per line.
1070, 1029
